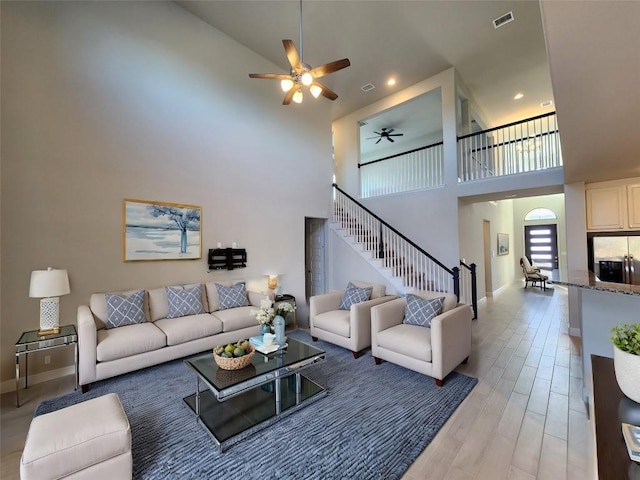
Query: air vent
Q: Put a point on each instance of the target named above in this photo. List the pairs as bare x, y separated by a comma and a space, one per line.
503, 20
362, 123
546, 104
367, 87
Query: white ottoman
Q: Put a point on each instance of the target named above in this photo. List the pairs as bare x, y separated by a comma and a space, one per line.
91, 439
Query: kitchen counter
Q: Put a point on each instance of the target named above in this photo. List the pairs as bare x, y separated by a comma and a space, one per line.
601, 306
588, 280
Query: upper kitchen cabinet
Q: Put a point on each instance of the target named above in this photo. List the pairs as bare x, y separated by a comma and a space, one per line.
613, 205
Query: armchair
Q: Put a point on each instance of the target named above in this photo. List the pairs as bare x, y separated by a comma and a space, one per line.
436, 350
532, 274
350, 329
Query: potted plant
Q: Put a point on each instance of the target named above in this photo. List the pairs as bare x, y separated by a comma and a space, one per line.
626, 359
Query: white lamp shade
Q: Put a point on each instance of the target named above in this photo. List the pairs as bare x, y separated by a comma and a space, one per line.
49, 283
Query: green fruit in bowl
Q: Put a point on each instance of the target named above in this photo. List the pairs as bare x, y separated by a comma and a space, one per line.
238, 352
230, 348
218, 350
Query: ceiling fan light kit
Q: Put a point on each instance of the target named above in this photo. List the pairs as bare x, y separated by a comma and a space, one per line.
302, 75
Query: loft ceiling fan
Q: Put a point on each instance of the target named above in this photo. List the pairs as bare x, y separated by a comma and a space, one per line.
386, 133
303, 75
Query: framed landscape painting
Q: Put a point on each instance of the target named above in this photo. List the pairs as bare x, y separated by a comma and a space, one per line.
161, 231
503, 244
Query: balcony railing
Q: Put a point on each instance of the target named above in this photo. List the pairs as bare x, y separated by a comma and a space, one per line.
519, 147
403, 172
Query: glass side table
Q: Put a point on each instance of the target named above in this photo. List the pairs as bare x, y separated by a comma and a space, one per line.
31, 341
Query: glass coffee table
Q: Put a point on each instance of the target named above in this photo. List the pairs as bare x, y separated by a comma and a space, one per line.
237, 403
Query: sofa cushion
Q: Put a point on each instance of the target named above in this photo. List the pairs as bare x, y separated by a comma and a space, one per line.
232, 297
123, 310
205, 303
409, 340
377, 289
184, 301
353, 295
184, 329
236, 318
127, 341
98, 306
158, 303
450, 300
420, 311
335, 321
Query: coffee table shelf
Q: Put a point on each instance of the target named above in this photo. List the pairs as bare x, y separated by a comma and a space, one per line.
238, 403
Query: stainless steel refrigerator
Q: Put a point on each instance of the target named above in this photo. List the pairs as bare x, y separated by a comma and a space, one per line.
617, 258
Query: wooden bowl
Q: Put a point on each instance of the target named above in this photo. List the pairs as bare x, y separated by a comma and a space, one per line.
235, 363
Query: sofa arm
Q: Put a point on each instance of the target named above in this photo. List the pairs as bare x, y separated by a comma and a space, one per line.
450, 340
255, 298
361, 321
387, 315
326, 302
87, 345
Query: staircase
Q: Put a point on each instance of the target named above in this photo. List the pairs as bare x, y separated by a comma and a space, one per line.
404, 264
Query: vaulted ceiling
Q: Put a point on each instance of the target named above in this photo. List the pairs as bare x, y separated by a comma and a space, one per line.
593, 65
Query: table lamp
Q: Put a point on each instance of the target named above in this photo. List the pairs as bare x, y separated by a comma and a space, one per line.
48, 285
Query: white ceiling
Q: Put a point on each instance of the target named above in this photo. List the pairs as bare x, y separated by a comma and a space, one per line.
593, 47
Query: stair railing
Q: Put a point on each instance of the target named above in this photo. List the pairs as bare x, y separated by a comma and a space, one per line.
470, 286
417, 268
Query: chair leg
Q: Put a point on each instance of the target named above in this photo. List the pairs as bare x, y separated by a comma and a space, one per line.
377, 360
315, 339
85, 388
356, 354
465, 361
439, 382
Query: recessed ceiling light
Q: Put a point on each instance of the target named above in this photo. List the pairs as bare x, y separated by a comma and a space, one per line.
518, 96
391, 82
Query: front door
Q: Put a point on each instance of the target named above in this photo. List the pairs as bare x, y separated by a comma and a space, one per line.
541, 246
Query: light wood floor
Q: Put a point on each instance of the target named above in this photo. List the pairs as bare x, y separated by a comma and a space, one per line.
524, 420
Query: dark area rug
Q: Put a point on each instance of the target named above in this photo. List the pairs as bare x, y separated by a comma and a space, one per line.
372, 424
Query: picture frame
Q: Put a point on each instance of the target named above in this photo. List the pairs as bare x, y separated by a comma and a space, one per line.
503, 244
155, 230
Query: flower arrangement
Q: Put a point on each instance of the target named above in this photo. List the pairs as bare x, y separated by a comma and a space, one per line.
267, 311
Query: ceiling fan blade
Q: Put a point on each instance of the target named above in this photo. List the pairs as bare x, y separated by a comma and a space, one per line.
397, 135
378, 140
328, 68
371, 138
326, 92
390, 130
378, 133
274, 76
390, 139
289, 95
293, 55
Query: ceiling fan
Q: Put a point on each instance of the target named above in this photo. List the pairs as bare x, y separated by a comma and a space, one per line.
303, 75
386, 133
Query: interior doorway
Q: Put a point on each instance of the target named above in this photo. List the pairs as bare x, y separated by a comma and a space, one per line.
315, 261
486, 236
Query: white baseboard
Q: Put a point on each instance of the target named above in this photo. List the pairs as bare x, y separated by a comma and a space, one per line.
10, 385
500, 290
575, 332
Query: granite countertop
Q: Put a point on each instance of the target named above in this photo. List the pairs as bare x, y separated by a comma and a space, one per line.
587, 279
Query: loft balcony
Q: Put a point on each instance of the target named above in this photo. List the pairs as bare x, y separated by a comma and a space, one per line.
519, 155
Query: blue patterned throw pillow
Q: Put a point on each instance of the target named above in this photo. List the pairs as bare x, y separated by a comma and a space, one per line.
420, 311
353, 295
183, 302
125, 309
231, 297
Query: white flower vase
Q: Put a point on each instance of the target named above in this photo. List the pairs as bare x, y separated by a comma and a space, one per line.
627, 368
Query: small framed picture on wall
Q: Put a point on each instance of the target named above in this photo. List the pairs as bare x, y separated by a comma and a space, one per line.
503, 244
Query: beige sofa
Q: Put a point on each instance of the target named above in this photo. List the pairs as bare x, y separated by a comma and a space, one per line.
349, 329
105, 353
434, 351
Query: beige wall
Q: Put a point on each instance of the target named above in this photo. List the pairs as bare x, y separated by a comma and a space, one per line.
109, 100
